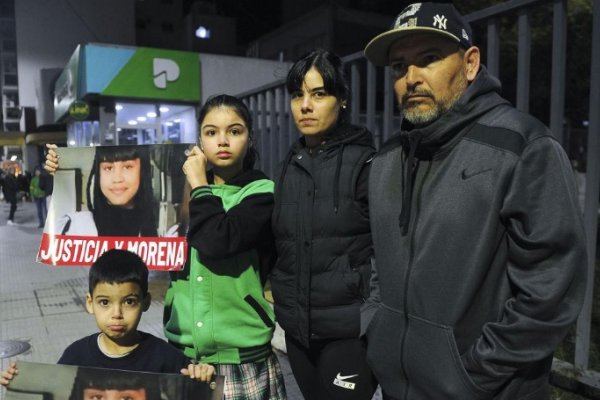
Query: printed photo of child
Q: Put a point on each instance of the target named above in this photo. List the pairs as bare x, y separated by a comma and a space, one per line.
115, 196
38, 381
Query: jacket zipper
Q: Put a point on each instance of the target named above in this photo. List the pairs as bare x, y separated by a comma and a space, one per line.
303, 258
418, 184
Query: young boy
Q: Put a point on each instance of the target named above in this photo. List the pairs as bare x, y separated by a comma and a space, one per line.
118, 295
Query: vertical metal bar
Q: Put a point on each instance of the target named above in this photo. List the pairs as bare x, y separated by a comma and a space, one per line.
559, 61
272, 128
371, 93
252, 103
282, 132
388, 106
523, 60
290, 120
264, 137
493, 47
592, 185
355, 87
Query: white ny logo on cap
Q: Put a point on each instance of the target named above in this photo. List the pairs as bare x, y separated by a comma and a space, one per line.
439, 21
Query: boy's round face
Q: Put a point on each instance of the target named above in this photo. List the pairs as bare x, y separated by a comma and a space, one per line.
120, 181
101, 394
117, 309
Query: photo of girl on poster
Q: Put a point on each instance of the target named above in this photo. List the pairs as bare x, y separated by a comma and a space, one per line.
127, 196
119, 195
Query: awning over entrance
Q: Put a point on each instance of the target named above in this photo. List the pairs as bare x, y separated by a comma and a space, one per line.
56, 137
12, 138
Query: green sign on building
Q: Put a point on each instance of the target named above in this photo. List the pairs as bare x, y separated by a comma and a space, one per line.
79, 110
128, 72
158, 74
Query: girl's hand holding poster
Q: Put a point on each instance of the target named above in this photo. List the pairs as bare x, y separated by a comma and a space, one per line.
127, 197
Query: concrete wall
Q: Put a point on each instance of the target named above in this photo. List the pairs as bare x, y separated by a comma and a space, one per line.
48, 31
45, 95
235, 75
295, 38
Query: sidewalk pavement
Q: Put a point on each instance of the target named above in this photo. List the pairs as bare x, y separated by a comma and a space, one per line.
44, 305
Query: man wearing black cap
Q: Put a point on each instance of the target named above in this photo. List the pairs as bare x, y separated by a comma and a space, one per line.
479, 245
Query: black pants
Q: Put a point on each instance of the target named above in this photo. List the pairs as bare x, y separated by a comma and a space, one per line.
331, 369
13, 208
42, 211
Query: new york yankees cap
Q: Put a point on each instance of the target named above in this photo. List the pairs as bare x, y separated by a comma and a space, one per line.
440, 18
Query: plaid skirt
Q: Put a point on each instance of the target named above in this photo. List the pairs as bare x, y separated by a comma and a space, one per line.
261, 380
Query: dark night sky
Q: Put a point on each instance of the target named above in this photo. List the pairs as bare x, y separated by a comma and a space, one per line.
256, 18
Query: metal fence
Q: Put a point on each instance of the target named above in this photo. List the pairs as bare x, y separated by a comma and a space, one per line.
372, 105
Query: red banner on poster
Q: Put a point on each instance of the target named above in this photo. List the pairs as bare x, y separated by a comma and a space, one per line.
159, 253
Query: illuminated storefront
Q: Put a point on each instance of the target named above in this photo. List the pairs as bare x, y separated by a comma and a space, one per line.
111, 95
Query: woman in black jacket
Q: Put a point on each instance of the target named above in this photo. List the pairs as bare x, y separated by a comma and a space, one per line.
321, 227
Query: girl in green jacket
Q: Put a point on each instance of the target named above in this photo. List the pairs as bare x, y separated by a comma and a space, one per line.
215, 310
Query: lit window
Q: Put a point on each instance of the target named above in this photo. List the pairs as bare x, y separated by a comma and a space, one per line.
202, 33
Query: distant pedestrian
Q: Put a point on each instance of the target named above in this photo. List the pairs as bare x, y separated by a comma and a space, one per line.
38, 196
23, 181
10, 188
47, 185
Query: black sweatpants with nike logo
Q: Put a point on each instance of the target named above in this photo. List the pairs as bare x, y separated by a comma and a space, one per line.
331, 369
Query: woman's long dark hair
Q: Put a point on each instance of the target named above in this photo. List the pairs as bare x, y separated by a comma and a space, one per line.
237, 105
331, 69
145, 207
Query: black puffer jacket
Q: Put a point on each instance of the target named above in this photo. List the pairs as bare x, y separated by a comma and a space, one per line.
321, 228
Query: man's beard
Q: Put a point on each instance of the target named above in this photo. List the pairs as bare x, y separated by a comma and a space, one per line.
439, 107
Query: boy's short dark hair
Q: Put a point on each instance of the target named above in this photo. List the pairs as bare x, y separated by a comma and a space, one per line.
119, 266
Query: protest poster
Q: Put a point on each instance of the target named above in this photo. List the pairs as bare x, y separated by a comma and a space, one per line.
37, 381
128, 197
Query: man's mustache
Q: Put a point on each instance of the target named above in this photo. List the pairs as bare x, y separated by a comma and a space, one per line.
416, 92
